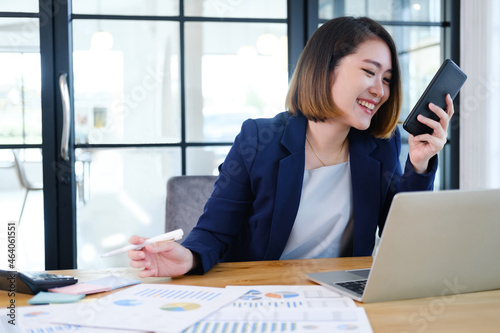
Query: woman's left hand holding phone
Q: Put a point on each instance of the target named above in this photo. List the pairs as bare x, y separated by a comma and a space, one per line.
423, 147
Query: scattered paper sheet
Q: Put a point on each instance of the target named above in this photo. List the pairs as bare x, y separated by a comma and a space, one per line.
80, 289
286, 308
96, 286
114, 282
33, 319
44, 297
150, 307
252, 309
340, 320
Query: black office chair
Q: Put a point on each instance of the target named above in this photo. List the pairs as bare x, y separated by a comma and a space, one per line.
186, 197
25, 182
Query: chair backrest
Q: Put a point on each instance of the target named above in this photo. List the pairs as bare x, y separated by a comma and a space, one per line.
21, 173
186, 197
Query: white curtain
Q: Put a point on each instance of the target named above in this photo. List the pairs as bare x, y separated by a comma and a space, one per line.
480, 96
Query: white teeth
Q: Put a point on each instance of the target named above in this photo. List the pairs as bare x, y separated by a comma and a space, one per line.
366, 104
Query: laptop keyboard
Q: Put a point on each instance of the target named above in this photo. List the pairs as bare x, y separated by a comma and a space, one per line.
355, 286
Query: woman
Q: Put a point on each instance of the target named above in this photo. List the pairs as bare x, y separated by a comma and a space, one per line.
318, 180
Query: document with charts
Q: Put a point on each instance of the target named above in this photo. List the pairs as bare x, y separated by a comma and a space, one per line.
33, 319
261, 309
289, 308
150, 307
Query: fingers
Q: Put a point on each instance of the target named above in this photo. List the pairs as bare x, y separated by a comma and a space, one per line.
146, 273
437, 143
147, 270
158, 247
440, 128
166, 258
437, 127
138, 260
450, 109
444, 116
147, 257
136, 240
136, 255
139, 264
424, 146
153, 248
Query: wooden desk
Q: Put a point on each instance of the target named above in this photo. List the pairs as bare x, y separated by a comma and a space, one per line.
475, 312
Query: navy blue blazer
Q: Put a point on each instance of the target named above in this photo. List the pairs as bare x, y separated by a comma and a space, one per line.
251, 211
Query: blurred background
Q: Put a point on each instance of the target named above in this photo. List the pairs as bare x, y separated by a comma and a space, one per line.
160, 88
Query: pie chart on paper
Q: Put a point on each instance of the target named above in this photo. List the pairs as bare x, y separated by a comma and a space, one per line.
36, 314
183, 306
282, 294
128, 302
252, 295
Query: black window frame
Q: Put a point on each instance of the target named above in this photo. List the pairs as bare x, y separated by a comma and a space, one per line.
55, 44
449, 162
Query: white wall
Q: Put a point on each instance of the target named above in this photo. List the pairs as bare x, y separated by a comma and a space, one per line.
480, 114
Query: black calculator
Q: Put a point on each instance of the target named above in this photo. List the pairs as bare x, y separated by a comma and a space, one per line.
33, 282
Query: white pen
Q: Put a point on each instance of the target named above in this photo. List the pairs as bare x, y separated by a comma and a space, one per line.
169, 236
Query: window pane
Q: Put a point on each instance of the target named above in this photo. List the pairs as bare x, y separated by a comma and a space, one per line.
419, 57
383, 10
127, 7
121, 192
123, 93
17, 192
234, 71
236, 8
206, 160
25, 6
420, 52
20, 82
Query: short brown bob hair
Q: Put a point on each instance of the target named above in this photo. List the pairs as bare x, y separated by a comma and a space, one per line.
309, 92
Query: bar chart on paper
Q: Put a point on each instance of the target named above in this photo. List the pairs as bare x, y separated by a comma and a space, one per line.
264, 327
181, 294
154, 307
285, 309
274, 297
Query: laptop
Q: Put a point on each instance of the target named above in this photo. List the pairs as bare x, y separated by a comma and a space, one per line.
434, 244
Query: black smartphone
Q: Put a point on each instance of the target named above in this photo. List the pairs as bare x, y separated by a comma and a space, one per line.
32, 282
449, 79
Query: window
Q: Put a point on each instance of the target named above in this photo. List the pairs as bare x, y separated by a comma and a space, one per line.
21, 130
421, 33
160, 88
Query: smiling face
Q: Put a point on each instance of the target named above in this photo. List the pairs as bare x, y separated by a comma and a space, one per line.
360, 83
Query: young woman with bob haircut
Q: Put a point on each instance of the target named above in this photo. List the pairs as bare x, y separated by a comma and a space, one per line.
313, 98
317, 180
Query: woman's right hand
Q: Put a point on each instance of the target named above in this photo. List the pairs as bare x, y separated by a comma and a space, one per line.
161, 259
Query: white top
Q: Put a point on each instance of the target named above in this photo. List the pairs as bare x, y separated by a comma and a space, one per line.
323, 227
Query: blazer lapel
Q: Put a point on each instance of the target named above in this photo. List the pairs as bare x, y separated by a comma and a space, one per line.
290, 177
365, 175
365, 178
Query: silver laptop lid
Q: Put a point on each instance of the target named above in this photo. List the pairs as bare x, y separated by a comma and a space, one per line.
438, 244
